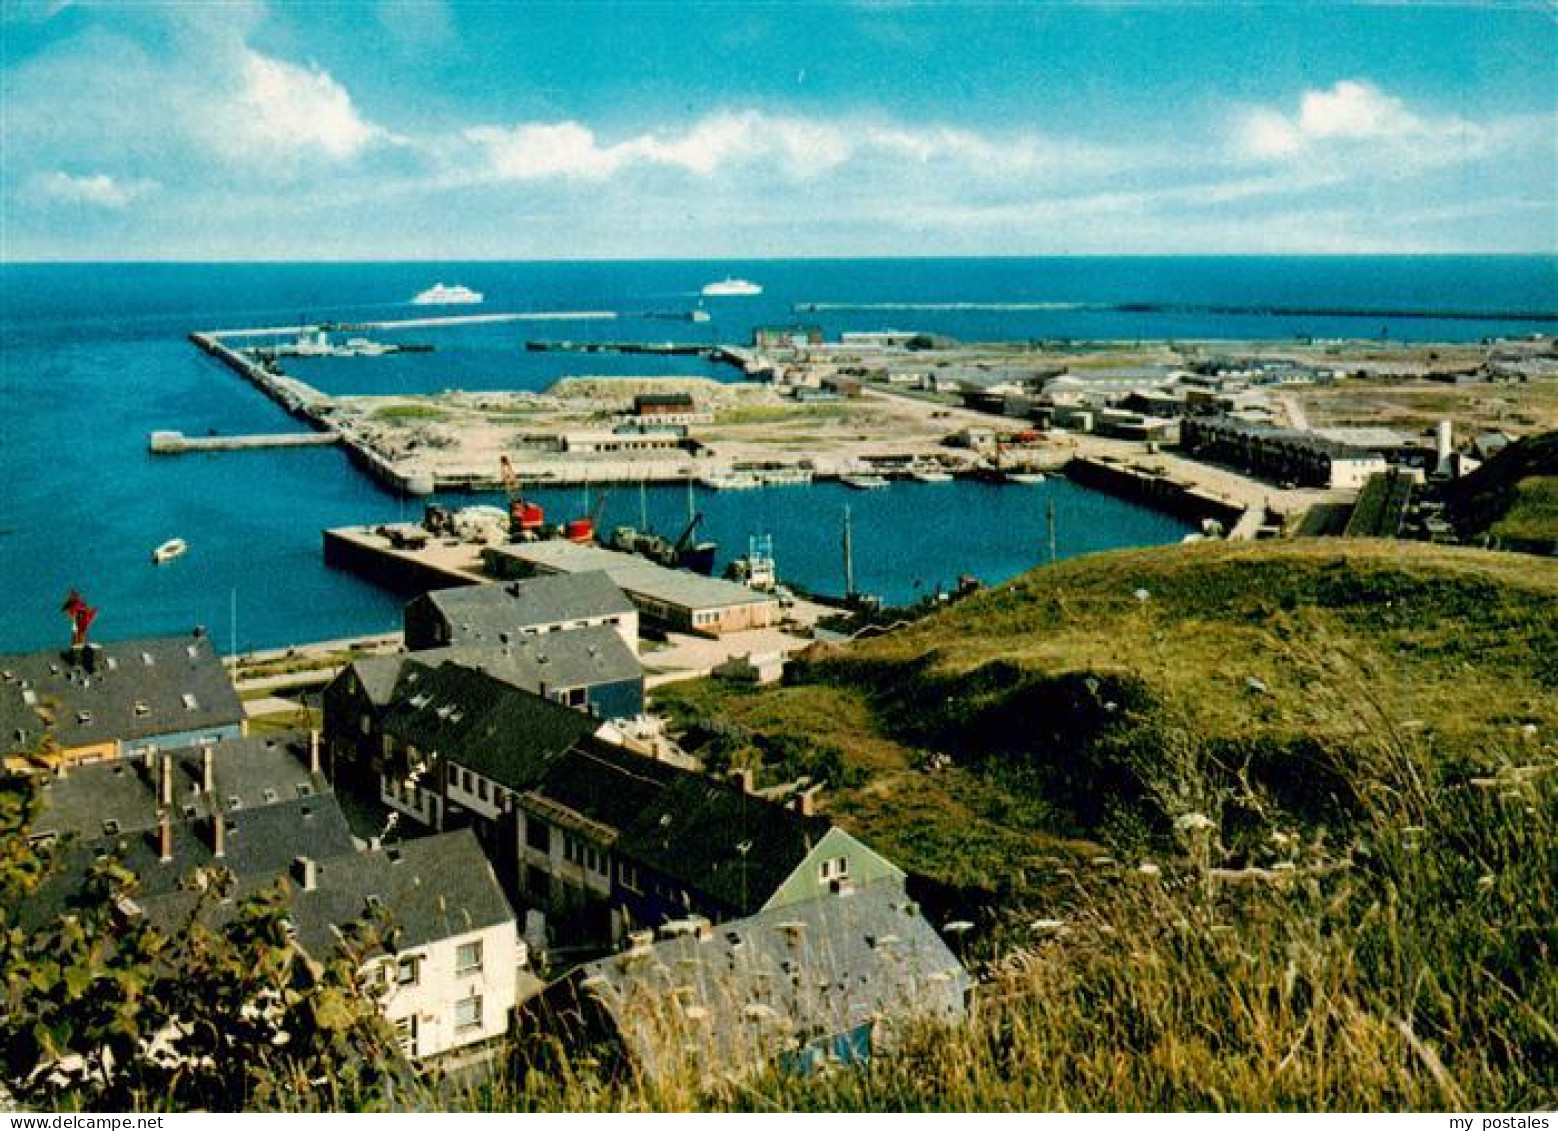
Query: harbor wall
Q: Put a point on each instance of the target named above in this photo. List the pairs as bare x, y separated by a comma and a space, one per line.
1156, 490
401, 573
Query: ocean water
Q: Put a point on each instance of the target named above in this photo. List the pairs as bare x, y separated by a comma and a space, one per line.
94, 357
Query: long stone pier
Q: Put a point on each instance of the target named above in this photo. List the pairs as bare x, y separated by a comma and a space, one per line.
175, 443
309, 405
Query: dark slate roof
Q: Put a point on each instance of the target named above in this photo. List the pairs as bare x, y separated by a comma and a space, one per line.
431, 887
711, 837
489, 614
377, 675
259, 842
253, 772
725, 1001
501, 732
580, 657
128, 689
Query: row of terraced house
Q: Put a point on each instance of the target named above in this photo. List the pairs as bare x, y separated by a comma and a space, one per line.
519, 832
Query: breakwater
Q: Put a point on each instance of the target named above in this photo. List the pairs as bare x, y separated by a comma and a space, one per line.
176, 443
419, 323
309, 405
744, 359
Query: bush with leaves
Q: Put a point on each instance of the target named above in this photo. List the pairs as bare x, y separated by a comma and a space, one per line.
105, 1010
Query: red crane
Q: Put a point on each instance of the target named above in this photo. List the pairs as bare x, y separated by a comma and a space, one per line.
80, 614
525, 518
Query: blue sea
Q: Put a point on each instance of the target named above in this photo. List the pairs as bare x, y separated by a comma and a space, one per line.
94, 357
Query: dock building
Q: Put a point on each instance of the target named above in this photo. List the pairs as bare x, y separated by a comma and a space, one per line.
497, 615
1284, 454
670, 598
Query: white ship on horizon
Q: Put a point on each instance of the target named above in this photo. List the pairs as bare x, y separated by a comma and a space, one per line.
731, 288
440, 295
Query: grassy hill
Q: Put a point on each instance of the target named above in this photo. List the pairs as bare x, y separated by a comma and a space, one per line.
1512, 499
1087, 705
1260, 826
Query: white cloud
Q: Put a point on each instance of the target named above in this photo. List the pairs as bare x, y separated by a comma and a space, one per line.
286, 108
92, 190
799, 148
1353, 112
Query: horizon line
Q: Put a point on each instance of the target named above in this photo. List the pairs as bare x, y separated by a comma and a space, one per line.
279, 261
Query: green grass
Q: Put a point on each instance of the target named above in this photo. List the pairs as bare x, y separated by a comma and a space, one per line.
1052, 715
1533, 515
824, 413
407, 412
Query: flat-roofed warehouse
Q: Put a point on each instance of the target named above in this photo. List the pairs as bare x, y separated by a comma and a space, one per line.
673, 598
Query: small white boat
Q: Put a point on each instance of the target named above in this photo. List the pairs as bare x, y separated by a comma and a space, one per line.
1025, 477
929, 475
864, 482
698, 315
440, 295
169, 550
786, 477
730, 481
732, 288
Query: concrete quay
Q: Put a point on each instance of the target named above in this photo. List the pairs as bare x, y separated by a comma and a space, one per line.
176, 443
404, 557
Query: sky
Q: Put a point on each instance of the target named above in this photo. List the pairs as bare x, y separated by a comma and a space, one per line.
425, 129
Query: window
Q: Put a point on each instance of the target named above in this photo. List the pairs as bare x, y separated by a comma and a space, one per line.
409, 971
406, 1034
834, 869
575, 697
467, 958
467, 1013
537, 835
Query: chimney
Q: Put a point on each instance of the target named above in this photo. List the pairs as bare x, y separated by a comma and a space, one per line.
305, 872
805, 802
207, 770
218, 833
164, 837
165, 781
313, 751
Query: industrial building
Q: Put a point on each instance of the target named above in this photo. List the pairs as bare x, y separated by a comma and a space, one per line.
671, 598
1283, 454
496, 615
